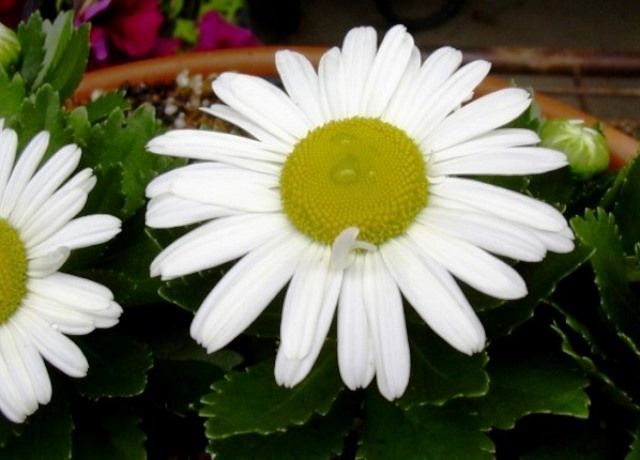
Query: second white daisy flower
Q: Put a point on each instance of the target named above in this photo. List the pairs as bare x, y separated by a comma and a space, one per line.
347, 191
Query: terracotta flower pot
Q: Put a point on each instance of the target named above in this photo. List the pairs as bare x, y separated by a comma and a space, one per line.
260, 61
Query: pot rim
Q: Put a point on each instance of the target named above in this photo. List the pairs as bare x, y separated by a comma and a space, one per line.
260, 61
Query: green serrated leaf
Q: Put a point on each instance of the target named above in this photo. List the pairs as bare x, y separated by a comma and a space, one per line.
31, 36
99, 109
12, 93
541, 279
109, 433
118, 365
58, 35
534, 382
319, 439
78, 121
634, 449
440, 373
252, 402
42, 111
618, 303
426, 432
627, 205
46, 435
65, 74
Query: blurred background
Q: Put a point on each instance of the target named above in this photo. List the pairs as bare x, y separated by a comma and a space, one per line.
585, 52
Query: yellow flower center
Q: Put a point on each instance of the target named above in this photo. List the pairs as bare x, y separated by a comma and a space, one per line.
13, 271
358, 172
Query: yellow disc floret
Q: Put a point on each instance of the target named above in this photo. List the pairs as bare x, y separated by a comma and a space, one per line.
13, 271
358, 172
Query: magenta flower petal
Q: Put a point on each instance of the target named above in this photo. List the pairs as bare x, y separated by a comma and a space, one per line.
216, 33
99, 44
89, 10
134, 29
166, 46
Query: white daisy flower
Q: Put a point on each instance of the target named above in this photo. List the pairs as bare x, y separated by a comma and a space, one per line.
39, 304
347, 191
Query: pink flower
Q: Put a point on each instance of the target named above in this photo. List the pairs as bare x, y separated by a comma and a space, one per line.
216, 33
130, 26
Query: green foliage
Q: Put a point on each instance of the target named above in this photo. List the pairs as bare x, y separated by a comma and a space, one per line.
251, 401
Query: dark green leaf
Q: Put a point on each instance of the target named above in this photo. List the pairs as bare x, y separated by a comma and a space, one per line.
31, 37
118, 366
179, 385
252, 402
58, 36
634, 449
109, 433
12, 93
627, 206
541, 279
440, 373
618, 303
531, 383
321, 438
101, 108
46, 435
426, 432
67, 71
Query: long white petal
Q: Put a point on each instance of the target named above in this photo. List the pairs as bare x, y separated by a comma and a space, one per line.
81, 232
215, 243
52, 174
54, 346
387, 70
560, 242
435, 296
19, 374
264, 104
290, 372
355, 355
8, 147
35, 364
168, 211
487, 232
66, 320
23, 171
269, 141
11, 402
405, 91
246, 290
509, 162
74, 292
385, 316
358, 52
47, 264
500, 202
333, 90
301, 83
161, 184
478, 117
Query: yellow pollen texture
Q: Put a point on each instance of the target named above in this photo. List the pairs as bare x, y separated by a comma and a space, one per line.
13, 271
358, 172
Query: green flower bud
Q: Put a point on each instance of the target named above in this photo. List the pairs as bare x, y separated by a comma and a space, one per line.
586, 148
9, 47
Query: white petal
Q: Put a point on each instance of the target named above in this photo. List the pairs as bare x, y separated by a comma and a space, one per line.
301, 83
387, 70
290, 372
469, 263
405, 91
168, 211
435, 70
332, 85
54, 346
558, 242
269, 141
264, 104
355, 354
478, 117
385, 316
8, 146
213, 146
217, 242
435, 296
73, 292
487, 232
84, 180
52, 174
230, 192
34, 363
500, 202
80, 233
18, 372
11, 402
497, 140
246, 290
162, 184
358, 52
57, 211
59, 317
47, 264
24, 169
509, 162
447, 98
